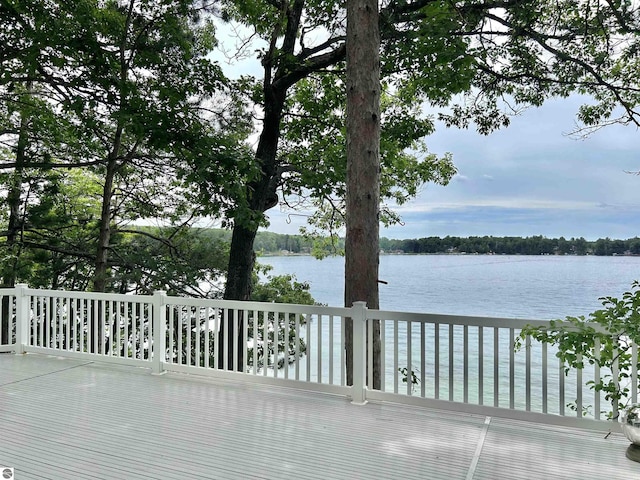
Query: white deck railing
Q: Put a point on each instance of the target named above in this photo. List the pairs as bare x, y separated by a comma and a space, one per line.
461, 363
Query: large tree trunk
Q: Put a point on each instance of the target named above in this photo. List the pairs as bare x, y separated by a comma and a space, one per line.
262, 196
363, 171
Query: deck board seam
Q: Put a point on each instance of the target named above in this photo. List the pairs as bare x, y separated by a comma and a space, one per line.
44, 374
479, 446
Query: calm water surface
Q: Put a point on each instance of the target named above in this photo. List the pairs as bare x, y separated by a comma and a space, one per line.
533, 287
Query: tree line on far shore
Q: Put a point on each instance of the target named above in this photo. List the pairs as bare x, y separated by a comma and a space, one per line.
269, 243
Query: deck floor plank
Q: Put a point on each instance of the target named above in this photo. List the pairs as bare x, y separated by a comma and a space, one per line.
72, 419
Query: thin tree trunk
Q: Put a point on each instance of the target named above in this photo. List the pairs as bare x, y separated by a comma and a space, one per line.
15, 224
101, 273
363, 171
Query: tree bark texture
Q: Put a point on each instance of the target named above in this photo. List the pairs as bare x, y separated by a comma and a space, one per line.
363, 171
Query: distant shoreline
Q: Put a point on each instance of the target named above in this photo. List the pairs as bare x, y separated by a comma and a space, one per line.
300, 254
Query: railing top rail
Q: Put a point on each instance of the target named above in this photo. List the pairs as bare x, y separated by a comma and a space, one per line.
443, 319
258, 306
118, 297
455, 319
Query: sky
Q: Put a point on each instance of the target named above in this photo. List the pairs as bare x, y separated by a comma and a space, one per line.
531, 178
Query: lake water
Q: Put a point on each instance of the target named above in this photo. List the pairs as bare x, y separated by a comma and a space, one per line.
530, 287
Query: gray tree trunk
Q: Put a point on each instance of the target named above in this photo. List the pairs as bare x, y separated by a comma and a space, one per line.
15, 225
363, 170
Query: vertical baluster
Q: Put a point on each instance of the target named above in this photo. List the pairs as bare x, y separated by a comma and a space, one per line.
198, 318
115, 331
64, 332
423, 358
409, 363
297, 327
77, 326
34, 321
579, 388
235, 337
395, 356
245, 340
148, 343
331, 350
47, 323
451, 335
143, 309
133, 334
480, 365
5, 341
436, 360
319, 349
634, 373
94, 322
216, 337
266, 348
51, 330
188, 351
41, 321
545, 377
615, 372
308, 323
255, 342
343, 355
127, 313
53, 323
61, 317
172, 332
225, 341
560, 387
276, 349
512, 370
134, 329
103, 325
65, 312
596, 377
180, 310
528, 373
287, 318
465, 342
69, 323
207, 339
369, 353
496, 366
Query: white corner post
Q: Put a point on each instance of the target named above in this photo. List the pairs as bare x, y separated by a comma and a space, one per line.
359, 320
22, 316
159, 325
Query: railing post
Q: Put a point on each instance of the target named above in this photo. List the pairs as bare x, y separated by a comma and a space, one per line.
22, 316
159, 325
359, 320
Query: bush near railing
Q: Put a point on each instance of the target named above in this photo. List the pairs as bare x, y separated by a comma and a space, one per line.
606, 339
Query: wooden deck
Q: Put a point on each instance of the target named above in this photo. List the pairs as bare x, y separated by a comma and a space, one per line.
71, 419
